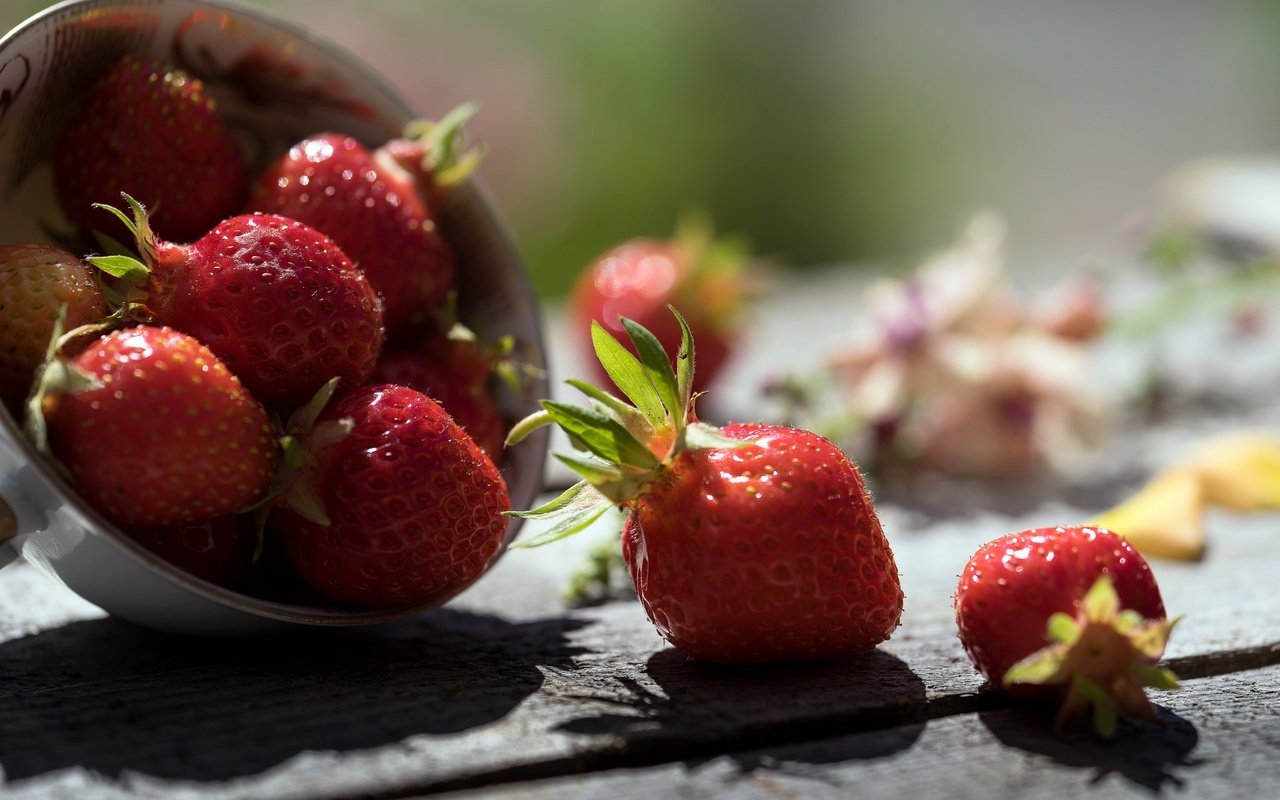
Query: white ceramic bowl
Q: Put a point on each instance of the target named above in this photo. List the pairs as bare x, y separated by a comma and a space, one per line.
275, 83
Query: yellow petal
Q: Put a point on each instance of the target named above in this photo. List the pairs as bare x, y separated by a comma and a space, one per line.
1164, 518
1238, 471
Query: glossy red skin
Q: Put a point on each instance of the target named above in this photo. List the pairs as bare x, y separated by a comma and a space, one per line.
171, 436
277, 301
771, 552
35, 280
637, 280
415, 506
217, 550
456, 375
1012, 585
152, 131
376, 214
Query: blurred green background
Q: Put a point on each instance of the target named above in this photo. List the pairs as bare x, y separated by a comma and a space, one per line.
825, 132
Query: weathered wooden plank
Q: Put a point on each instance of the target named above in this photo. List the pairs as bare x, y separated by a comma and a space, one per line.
1218, 738
501, 685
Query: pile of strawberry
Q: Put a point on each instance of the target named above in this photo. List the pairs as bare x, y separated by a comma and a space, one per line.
256, 368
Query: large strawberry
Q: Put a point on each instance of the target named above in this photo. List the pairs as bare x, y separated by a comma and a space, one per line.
150, 130
454, 370
155, 430
394, 504
35, 281
1073, 612
377, 211
638, 279
278, 302
747, 543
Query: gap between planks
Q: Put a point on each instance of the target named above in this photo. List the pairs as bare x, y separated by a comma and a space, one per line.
654, 753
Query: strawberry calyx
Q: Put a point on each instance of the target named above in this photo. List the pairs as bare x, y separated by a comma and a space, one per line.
134, 275
627, 446
57, 375
301, 438
438, 150
1105, 657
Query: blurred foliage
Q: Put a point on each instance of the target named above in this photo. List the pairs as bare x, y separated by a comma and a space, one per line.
822, 131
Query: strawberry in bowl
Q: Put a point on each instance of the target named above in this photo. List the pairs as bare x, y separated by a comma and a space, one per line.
278, 305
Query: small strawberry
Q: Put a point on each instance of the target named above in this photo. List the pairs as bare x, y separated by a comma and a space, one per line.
453, 370
278, 302
639, 278
747, 543
35, 281
219, 550
377, 210
150, 130
1072, 612
155, 430
394, 504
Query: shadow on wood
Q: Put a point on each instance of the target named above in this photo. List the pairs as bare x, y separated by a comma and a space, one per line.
109, 697
1143, 753
699, 711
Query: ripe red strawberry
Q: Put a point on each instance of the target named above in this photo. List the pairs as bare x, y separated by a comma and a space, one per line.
155, 430
150, 130
638, 279
377, 211
455, 373
278, 302
1068, 611
218, 550
747, 543
395, 504
35, 281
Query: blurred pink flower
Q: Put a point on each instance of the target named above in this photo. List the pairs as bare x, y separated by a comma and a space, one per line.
953, 371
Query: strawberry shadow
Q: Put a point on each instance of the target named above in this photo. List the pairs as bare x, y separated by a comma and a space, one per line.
111, 698
1149, 755
694, 713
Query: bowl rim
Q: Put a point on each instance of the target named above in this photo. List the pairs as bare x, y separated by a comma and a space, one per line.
338, 616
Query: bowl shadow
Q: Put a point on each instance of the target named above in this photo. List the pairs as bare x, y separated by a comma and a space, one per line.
109, 697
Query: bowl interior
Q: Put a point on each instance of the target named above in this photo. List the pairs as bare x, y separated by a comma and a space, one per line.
274, 83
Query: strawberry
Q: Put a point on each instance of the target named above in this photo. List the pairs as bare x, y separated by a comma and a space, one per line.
150, 130
1068, 612
155, 430
394, 504
377, 211
278, 302
35, 281
219, 550
639, 278
748, 543
454, 371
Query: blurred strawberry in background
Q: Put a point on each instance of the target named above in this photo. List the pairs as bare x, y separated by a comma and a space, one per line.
707, 278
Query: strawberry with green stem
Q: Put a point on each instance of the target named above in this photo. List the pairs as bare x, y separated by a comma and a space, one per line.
152, 428
278, 302
1072, 613
745, 543
379, 207
389, 503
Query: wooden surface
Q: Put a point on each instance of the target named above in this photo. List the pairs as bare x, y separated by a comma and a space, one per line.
508, 693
